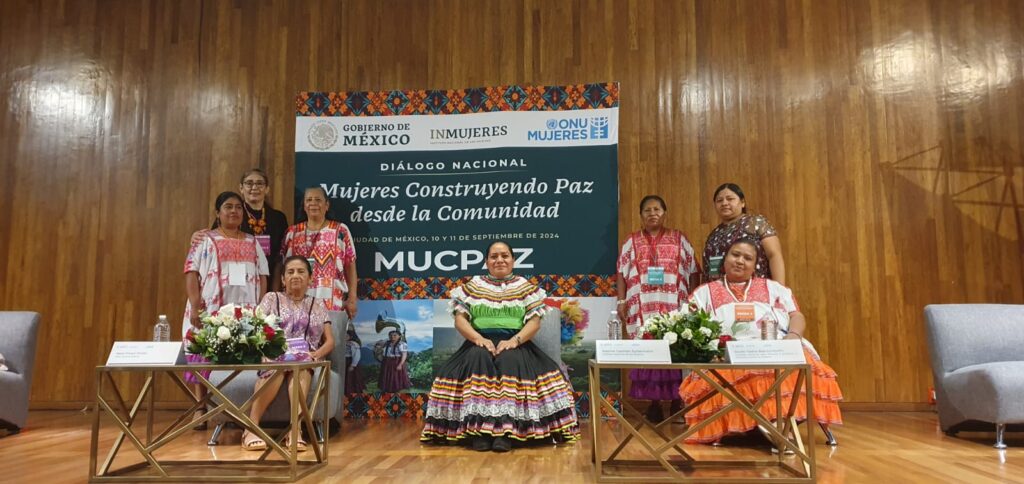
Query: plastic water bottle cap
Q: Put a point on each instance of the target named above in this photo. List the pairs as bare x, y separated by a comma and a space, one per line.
163, 316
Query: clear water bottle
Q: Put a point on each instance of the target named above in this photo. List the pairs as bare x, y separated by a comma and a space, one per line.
614, 326
162, 330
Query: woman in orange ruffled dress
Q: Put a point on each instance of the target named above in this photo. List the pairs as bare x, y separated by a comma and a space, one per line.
740, 301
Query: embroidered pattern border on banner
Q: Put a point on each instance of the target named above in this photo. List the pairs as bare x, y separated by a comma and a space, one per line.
556, 285
458, 101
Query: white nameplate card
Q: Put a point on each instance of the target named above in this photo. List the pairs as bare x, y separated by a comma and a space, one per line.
758, 352
142, 353
632, 351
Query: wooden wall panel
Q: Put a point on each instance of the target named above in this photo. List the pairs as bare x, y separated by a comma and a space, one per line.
883, 138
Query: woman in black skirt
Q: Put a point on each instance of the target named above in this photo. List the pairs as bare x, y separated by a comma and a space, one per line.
499, 387
394, 370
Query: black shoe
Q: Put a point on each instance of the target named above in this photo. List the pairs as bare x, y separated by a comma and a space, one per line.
676, 406
481, 443
654, 414
501, 444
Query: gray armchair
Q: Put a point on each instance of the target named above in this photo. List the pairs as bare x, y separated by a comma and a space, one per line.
243, 386
977, 353
18, 331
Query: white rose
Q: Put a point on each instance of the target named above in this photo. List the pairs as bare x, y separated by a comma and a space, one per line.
705, 331
687, 334
713, 345
271, 320
670, 337
225, 318
224, 333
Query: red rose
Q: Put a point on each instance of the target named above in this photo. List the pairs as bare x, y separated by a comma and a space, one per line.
267, 330
238, 312
723, 339
190, 336
648, 336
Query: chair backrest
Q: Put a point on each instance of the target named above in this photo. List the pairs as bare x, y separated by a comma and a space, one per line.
961, 335
18, 330
339, 325
549, 337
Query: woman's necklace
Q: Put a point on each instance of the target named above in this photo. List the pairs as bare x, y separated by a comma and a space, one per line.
311, 240
257, 225
237, 234
738, 289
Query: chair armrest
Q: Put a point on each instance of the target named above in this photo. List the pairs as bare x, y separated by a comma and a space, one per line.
18, 331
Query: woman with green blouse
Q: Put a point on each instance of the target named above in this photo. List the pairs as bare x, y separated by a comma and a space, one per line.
499, 387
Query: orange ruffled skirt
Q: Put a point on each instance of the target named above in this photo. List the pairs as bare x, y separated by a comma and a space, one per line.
752, 384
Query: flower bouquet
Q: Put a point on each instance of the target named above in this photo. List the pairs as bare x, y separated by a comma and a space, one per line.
574, 320
692, 335
237, 334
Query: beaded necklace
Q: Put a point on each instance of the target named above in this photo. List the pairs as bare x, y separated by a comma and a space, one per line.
259, 225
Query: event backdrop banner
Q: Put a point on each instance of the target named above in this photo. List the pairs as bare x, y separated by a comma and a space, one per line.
426, 179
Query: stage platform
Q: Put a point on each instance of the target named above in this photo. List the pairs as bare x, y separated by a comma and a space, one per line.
874, 447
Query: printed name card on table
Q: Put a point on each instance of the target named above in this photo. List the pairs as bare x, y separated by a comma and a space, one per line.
758, 352
633, 351
142, 353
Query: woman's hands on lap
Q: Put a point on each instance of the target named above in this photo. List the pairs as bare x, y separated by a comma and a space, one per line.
486, 344
505, 345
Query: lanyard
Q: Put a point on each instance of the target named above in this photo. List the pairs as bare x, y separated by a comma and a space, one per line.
654, 245
309, 315
746, 289
311, 246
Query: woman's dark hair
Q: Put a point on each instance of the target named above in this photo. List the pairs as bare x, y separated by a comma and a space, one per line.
263, 175
648, 198
221, 199
352, 336
393, 344
321, 189
224, 197
304, 260
745, 240
496, 242
732, 188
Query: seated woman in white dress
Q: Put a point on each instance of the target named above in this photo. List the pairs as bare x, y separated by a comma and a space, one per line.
742, 302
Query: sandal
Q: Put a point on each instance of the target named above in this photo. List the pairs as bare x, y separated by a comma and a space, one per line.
300, 446
198, 415
251, 441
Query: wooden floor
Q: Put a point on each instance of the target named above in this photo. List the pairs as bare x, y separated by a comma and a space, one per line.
874, 448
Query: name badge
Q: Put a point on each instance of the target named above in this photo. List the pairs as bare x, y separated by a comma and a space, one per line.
744, 312
264, 241
715, 266
236, 274
655, 275
297, 345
